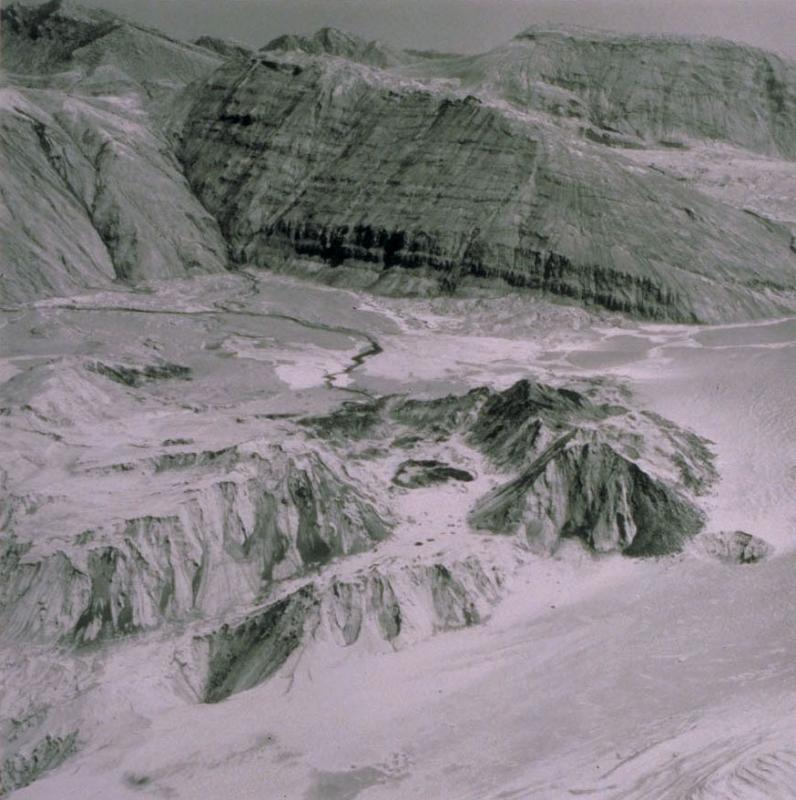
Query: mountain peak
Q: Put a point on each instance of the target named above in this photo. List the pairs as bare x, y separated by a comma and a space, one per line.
63, 37
335, 42
337, 36
33, 17
43, 38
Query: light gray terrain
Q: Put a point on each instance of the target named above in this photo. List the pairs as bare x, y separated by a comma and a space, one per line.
384, 424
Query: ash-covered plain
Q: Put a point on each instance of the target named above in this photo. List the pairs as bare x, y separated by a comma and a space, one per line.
387, 424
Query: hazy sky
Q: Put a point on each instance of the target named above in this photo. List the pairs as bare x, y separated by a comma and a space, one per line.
463, 25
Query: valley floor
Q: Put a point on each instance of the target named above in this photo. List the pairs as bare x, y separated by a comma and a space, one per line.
595, 676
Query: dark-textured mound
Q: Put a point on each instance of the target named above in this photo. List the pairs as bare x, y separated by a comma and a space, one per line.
21, 769
243, 656
589, 491
415, 473
618, 481
137, 375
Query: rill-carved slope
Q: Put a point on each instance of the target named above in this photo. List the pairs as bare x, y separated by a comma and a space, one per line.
228, 564
266, 517
653, 89
423, 174
92, 192
314, 158
228, 525
386, 608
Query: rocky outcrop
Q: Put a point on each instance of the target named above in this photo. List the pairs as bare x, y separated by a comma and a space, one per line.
402, 605
415, 473
272, 516
588, 490
400, 186
505, 425
597, 471
25, 767
514, 425
137, 375
388, 607
734, 547
219, 564
245, 655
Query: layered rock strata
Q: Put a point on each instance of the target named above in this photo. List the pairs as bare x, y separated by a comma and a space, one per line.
307, 159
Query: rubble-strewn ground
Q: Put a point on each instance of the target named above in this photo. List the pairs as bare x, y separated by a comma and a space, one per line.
165, 446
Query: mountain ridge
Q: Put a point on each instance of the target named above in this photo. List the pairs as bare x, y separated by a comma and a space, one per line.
335, 42
465, 188
62, 35
502, 170
647, 86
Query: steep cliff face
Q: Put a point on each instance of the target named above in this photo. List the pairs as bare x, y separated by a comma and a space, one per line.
63, 252
650, 88
309, 158
382, 168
